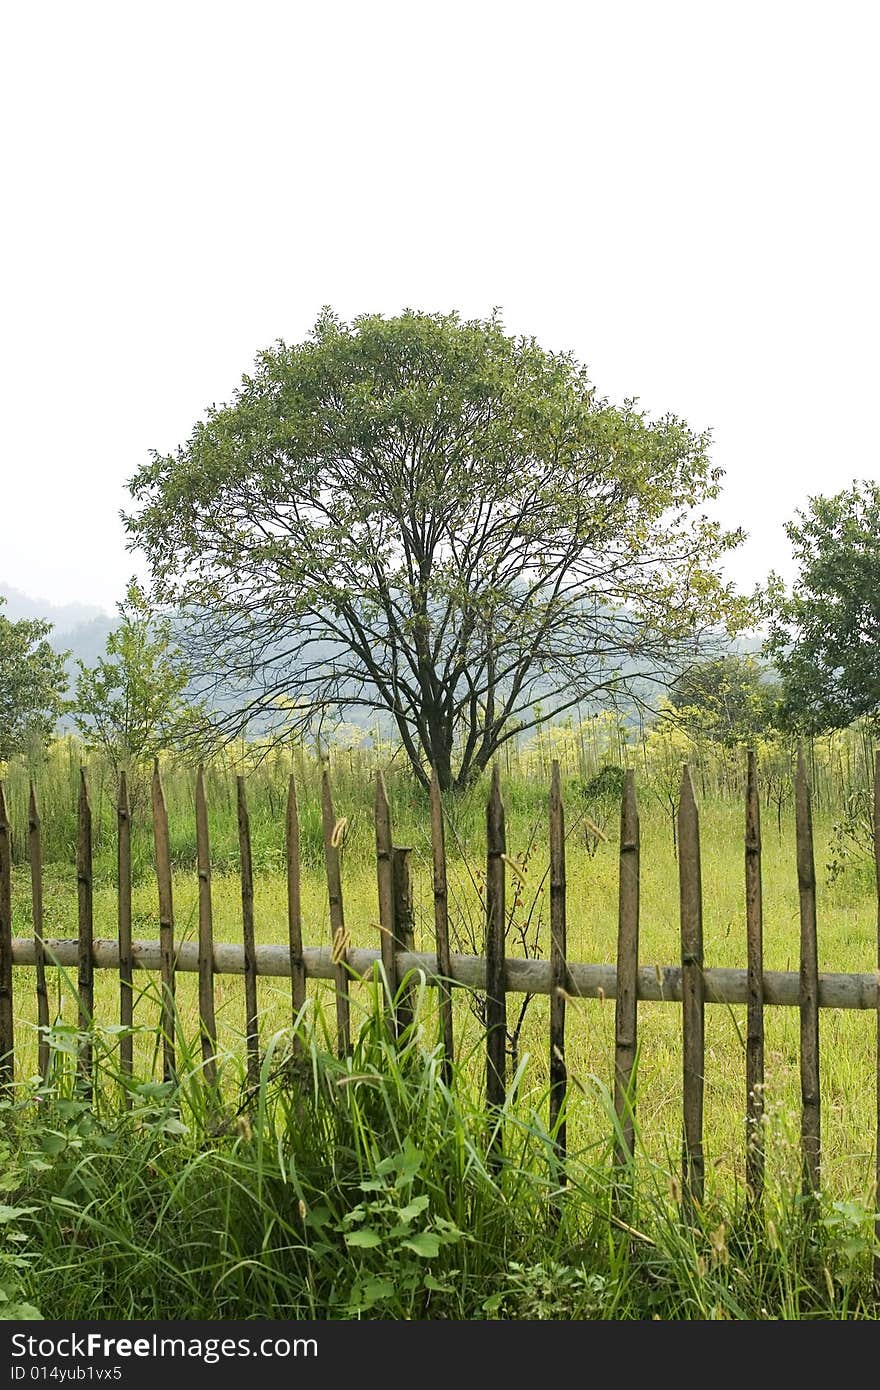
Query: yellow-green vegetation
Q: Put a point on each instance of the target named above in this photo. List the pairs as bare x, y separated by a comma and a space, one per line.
847, 921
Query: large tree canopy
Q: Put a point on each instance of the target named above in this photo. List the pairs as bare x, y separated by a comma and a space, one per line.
428, 518
825, 635
32, 684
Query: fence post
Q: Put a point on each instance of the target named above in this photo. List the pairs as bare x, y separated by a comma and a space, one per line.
441, 926
809, 986
35, 856
755, 986
404, 932
207, 1019
294, 909
166, 922
693, 1015
877, 1137
252, 1021
7, 1035
559, 981
85, 914
626, 1003
385, 889
123, 920
333, 832
496, 1002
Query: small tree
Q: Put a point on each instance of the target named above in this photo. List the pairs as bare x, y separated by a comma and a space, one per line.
132, 704
729, 700
32, 685
825, 635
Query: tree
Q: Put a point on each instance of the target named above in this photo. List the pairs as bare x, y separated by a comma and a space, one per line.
133, 704
32, 684
824, 637
729, 698
425, 517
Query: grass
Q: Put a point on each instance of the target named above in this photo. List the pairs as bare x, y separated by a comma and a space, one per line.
365, 1187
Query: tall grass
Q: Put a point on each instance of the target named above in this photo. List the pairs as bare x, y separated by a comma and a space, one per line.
363, 1187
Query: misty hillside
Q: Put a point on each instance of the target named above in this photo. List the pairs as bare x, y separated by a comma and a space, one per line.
78, 628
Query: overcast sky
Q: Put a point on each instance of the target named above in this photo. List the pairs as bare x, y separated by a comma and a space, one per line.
684, 194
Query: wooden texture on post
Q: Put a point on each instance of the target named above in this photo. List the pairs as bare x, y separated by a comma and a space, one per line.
333, 832
35, 858
877, 1137
385, 889
85, 917
755, 1009
441, 926
404, 926
496, 1002
809, 984
252, 1021
207, 1019
558, 967
626, 1004
166, 922
692, 1002
123, 922
7, 1034
294, 909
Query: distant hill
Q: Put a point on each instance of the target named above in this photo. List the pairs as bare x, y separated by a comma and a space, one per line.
78, 628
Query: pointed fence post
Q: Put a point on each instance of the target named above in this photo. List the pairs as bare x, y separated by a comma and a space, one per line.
207, 1017
123, 922
85, 916
35, 857
333, 832
252, 1017
559, 981
294, 910
385, 889
755, 986
441, 927
692, 991
166, 922
496, 1002
7, 1030
809, 987
626, 1003
404, 926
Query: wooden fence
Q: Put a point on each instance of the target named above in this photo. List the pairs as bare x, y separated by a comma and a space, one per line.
689, 984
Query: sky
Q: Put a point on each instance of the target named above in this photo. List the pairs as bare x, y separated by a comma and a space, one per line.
685, 195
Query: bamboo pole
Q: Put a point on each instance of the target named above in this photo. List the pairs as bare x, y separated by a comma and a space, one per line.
252, 1020
496, 1003
755, 1012
35, 857
658, 984
333, 832
404, 927
294, 909
693, 1021
809, 986
207, 1017
877, 1136
441, 925
626, 1011
123, 919
166, 921
7, 1027
385, 889
85, 916
559, 970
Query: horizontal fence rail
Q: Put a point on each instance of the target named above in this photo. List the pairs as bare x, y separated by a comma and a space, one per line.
656, 984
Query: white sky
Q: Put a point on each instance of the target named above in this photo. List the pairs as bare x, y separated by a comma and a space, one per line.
685, 194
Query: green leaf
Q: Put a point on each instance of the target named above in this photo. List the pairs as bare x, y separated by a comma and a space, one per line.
367, 1240
425, 1243
413, 1209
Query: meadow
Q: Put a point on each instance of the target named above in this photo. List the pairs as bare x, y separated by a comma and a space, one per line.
847, 942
